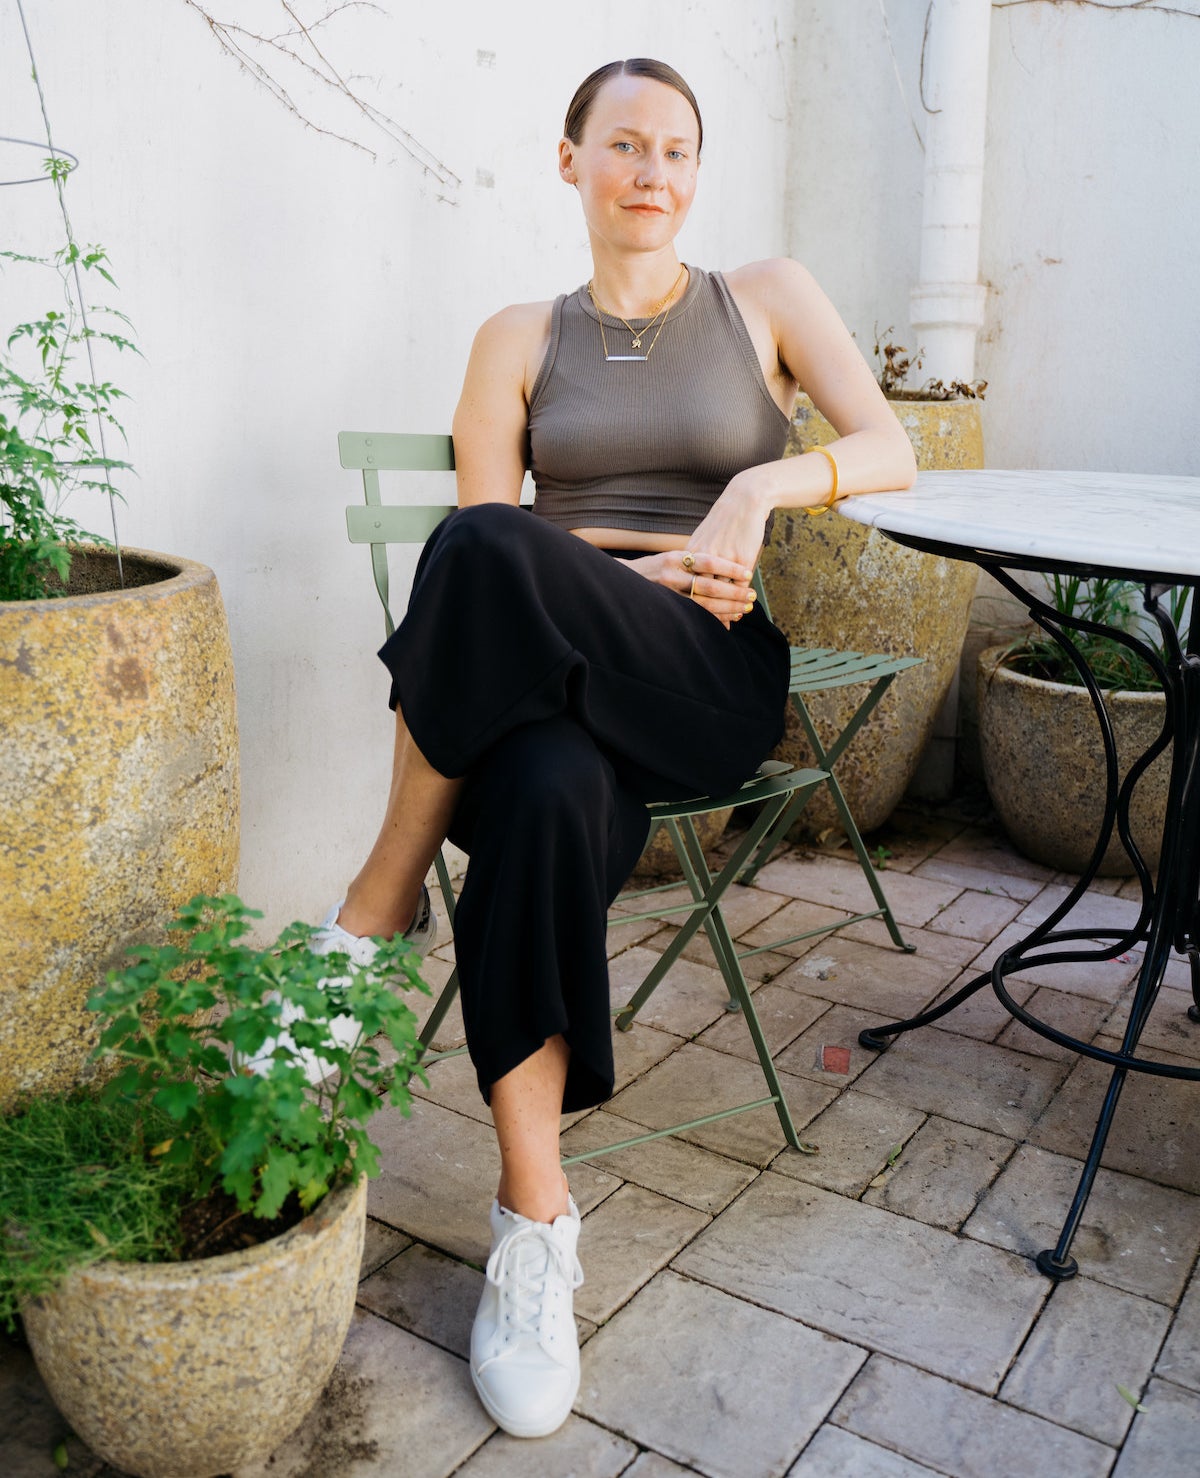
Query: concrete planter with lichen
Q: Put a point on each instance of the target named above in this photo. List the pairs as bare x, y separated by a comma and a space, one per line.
192, 1369
1043, 762
834, 583
119, 796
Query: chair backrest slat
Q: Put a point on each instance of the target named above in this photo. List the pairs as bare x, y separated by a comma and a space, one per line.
373, 452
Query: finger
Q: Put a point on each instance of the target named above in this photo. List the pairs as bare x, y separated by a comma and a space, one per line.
722, 594
695, 561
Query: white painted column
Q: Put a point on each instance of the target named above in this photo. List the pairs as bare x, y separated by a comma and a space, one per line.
946, 306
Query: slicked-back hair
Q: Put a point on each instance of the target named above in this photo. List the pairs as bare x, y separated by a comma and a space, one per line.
634, 66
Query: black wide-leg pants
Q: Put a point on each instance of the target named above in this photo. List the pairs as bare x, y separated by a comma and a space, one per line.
568, 691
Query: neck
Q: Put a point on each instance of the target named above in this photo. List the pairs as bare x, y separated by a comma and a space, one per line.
634, 287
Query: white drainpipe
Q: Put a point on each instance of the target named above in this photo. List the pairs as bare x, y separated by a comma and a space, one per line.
946, 306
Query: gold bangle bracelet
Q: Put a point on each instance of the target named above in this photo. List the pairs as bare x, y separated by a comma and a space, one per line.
833, 492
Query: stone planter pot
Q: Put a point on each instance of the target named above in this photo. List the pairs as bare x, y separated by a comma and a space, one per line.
833, 583
119, 794
659, 860
1043, 762
191, 1369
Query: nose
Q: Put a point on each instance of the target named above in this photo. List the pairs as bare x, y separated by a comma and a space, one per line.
650, 176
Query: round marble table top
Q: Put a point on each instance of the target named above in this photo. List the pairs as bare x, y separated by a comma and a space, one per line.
1123, 522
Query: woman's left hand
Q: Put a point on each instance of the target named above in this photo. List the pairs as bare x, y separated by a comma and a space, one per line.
734, 526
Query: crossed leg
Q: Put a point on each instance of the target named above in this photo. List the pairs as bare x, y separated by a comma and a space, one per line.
382, 899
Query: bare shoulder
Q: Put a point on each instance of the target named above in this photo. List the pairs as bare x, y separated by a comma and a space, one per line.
512, 342
772, 282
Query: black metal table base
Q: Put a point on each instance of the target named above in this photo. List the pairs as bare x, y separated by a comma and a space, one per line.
1169, 919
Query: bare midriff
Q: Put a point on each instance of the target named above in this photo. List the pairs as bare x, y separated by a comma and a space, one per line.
632, 539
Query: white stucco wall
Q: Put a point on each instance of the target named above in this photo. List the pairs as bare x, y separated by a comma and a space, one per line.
1091, 214
284, 285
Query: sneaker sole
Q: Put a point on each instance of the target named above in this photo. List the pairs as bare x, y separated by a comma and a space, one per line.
521, 1429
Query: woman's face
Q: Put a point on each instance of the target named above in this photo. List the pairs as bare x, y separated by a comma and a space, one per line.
635, 164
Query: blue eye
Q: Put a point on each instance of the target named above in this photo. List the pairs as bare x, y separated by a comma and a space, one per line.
622, 144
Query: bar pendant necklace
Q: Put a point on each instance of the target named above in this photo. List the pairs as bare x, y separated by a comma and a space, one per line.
637, 336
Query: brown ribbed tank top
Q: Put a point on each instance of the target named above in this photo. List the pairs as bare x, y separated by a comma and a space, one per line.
648, 445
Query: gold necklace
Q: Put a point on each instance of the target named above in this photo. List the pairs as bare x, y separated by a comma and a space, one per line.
635, 334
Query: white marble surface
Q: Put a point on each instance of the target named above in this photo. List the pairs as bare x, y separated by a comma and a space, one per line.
1124, 522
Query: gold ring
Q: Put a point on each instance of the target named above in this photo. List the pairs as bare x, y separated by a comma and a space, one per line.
689, 561
692, 591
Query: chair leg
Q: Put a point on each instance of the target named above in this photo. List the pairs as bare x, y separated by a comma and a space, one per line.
826, 759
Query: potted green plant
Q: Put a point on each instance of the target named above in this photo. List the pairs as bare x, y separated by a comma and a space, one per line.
834, 583
183, 1243
119, 795
1040, 736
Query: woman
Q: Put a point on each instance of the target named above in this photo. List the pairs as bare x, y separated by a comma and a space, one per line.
556, 672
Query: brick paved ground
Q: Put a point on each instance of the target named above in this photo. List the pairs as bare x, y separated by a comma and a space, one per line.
868, 1311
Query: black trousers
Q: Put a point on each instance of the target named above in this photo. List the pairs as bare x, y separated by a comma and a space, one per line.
568, 691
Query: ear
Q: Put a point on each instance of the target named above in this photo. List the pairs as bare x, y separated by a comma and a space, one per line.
566, 161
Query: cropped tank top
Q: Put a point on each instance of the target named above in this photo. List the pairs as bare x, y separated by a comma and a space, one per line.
648, 445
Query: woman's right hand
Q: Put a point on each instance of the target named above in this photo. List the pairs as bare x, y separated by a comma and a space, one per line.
720, 585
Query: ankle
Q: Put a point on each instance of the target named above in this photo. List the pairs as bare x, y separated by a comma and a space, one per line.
360, 918
541, 1200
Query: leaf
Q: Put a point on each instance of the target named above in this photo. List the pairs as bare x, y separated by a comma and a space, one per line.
1126, 1394
61, 1459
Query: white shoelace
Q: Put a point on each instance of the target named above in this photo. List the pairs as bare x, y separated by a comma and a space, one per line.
522, 1277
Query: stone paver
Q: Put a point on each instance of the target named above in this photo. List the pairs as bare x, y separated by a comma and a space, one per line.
1135, 1235
696, 1081
977, 848
838, 1027
380, 1244
728, 1308
942, 1172
735, 1391
672, 1167
364, 1425
439, 1179
579, 1448
1090, 1339
1165, 1437
887, 981
856, 1135
799, 917
1078, 1016
429, 1294
784, 1014
835, 1453
959, 1432
1105, 980
898, 1286
1180, 1358
924, 942
1096, 910
982, 879
976, 1083
834, 883
690, 997
974, 915
624, 1242
1153, 1131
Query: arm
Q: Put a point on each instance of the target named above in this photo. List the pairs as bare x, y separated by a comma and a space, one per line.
492, 418
784, 306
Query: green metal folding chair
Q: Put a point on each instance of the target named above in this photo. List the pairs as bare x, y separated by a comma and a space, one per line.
818, 670
378, 524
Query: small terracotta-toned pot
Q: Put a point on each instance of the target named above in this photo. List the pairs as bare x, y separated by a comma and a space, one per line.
192, 1369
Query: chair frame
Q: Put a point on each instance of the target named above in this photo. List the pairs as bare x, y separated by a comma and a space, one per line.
774, 788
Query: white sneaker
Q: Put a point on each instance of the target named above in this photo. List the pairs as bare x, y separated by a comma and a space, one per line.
524, 1348
329, 939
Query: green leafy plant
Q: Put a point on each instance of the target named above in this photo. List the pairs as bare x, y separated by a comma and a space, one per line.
54, 417
114, 1173
1108, 602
